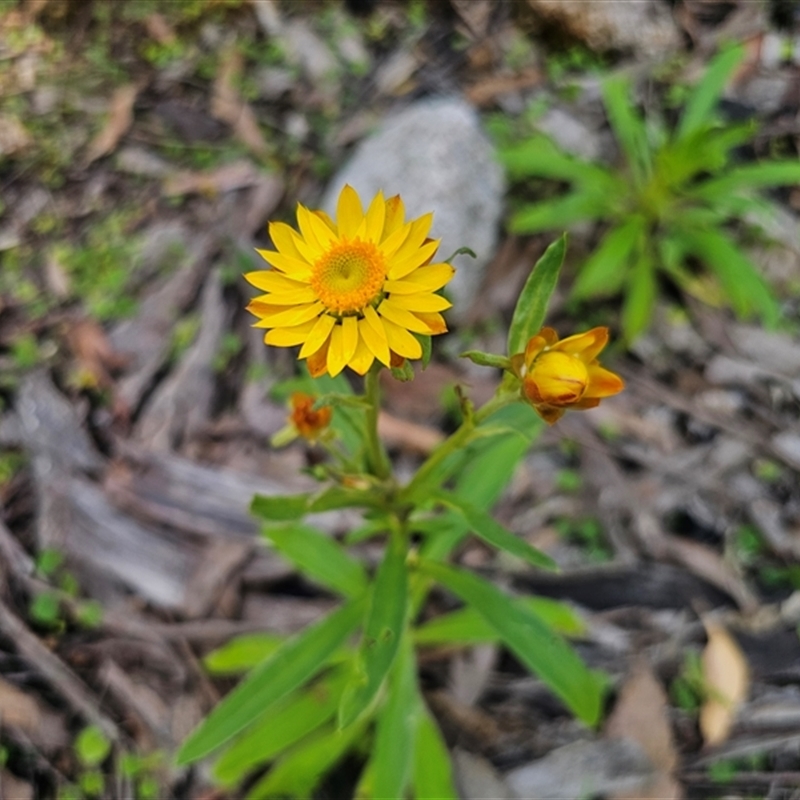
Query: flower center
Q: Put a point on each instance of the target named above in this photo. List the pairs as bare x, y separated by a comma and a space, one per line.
349, 276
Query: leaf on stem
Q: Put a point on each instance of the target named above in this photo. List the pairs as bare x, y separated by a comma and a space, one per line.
382, 633
492, 532
433, 771
289, 667
319, 557
533, 301
487, 359
541, 650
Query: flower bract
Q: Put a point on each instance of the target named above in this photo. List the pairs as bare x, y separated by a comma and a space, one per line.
558, 375
307, 422
353, 290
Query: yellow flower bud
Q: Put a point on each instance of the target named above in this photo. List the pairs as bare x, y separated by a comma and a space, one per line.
556, 379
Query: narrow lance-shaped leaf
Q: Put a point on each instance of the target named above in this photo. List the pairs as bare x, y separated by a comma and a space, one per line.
533, 301
291, 666
319, 557
284, 724
279, 507
493, 533
749, 176
561, 212
394, 739
628, 126
382, 632
433, 771
704, 97
541, 650
640, 297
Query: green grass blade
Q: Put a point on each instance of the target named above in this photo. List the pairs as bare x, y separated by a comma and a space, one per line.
396, 731
532, 305
749, 176
285, 724
433, 771
640, 297
561, 212
698, 112
628, 126
319, 557
242, 653
382, 633
605, 270
493, 533
279, 507
292, 665
536, 645
740, 280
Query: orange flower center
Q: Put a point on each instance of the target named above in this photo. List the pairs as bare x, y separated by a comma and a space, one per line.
349, 276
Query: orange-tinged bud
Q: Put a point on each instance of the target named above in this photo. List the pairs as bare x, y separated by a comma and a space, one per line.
556, 379
307, 422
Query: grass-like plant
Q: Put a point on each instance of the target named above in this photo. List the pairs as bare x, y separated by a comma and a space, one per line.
676, 207
360, 292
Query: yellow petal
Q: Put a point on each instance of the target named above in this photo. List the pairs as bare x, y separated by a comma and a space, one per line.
603, 382
401, 341
399, 316
291, 297
289, 317
584, 345
318, 335
336, 359
289, 337
416, 237
317, 363
323, 234
425, 301
284, 238
399, 269
429, 278
270, 280
392, 243
375, 218
362, 359
374, 341
349, 337
395, 215
307, 232
295, 268
326, 218
349, 212
433, 320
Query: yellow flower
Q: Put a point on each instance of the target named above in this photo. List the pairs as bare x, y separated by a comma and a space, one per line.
353, 290
560, 375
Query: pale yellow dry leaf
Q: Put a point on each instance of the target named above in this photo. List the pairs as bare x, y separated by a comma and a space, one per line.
727, 680
120, 118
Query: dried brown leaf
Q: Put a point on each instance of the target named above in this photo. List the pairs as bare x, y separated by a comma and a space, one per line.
727, 679
228, 106
120, 118
159, 29
94, 354
407, 435
14, 136
228, 178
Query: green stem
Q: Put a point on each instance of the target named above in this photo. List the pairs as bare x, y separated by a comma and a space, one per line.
455, 441
378, 460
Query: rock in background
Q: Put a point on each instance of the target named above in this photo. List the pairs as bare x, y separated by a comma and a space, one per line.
435, 154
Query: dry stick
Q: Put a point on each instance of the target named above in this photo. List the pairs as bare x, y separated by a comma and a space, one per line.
59, 674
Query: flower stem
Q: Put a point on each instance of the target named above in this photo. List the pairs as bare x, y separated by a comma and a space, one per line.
455, 441
376, 455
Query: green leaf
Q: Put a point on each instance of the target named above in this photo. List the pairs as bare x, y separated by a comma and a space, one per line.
342, 497
433, 772
292, 665
319, 557
640, 297
298, 773
242, 653
487, 359
604, 271
628, 126
535, 296
394, 739
467, 626
486, 528
746, 289
92, 746
427, 349
541, 650
285, 724
703, 100
279, 507
340, 401
540, 157
382, 632
749, 176
561, 212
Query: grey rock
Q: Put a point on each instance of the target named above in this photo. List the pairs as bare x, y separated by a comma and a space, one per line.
570, 134
436, 156
583, 769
